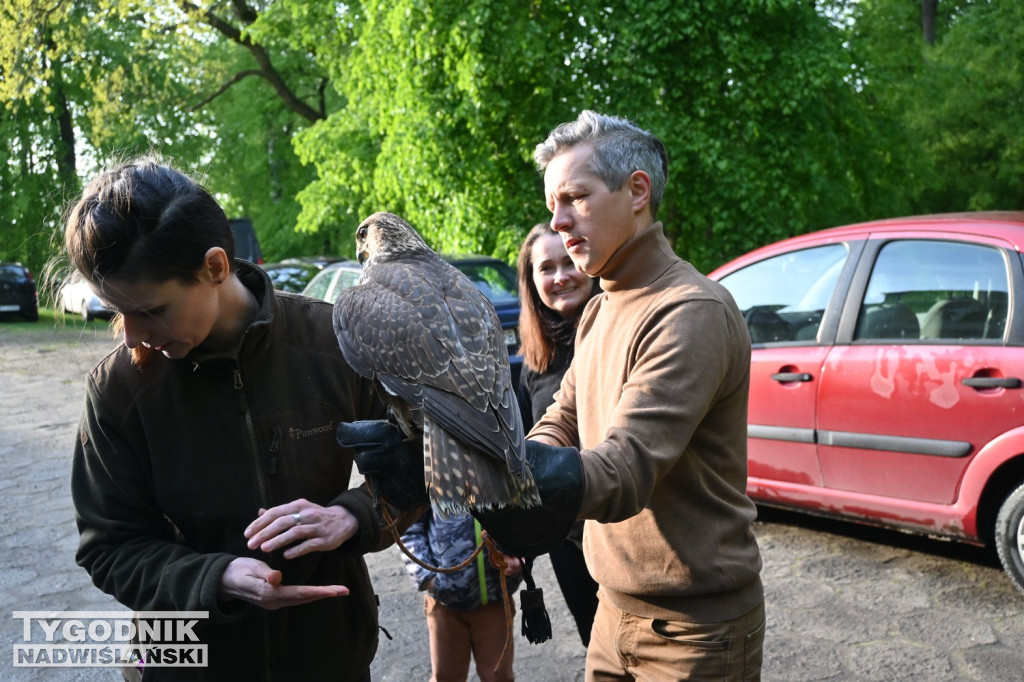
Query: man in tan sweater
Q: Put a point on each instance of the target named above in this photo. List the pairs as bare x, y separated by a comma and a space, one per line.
656, 402
647, 437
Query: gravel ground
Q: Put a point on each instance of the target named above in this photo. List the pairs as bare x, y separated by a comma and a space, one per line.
843, 602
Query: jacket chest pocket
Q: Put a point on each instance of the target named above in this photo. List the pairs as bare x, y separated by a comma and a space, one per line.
303, 458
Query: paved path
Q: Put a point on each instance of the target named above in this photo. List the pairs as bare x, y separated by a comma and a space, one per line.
843, 603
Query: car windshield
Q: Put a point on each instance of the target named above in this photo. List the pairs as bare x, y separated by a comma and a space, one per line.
12, 273
495, 282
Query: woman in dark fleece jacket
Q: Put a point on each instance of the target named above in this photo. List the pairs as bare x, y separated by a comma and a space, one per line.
206, 475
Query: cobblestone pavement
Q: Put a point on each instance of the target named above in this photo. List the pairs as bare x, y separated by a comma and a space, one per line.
844, 603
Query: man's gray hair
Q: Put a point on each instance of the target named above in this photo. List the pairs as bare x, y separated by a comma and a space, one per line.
620, 147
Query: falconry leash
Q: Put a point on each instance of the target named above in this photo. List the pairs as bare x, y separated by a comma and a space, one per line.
495, 556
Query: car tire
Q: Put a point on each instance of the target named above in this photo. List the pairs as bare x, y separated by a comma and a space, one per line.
85, 312
1009, 537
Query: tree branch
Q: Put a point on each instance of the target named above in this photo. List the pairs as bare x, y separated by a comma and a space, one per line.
266, 68
241, 75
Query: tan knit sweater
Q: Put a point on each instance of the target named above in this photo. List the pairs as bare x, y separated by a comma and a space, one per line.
658, 395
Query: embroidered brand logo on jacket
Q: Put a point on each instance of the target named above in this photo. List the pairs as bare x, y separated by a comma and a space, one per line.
299, 434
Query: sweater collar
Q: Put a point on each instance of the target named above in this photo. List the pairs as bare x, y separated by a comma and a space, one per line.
640, 261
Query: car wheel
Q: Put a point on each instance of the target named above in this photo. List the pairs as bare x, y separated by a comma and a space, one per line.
1010, 536
85, 311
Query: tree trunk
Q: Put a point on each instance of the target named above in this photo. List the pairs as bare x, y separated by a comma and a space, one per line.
928, 8
64, 145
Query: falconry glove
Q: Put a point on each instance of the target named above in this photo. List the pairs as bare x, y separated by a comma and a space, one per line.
393, 467
533, 531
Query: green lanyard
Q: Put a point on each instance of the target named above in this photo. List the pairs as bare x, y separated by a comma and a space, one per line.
480, 563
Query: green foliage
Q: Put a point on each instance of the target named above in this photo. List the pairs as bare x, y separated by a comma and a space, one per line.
147, 77
969, 112
780, 116
37, 163
445, 101
30, 194
753, 101
958, 103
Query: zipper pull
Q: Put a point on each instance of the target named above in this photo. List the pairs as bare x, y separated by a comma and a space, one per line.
242, 409
275, 447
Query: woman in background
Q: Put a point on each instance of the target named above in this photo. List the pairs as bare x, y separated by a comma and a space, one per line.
553, 294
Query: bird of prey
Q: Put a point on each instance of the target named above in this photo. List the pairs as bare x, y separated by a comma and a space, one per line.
420, 329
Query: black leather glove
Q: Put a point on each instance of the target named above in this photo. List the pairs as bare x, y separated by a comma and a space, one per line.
531, 532
393, 467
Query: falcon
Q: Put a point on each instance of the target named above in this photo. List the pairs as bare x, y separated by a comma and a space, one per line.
433, 344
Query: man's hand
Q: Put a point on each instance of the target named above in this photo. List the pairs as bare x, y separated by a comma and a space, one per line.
393, 467
314, 528
253, 581
531, 532
513, 565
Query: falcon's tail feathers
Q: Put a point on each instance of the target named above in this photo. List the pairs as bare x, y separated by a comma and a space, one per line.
460, 480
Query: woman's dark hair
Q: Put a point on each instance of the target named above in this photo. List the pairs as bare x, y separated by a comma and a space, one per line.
144, 220
541, 330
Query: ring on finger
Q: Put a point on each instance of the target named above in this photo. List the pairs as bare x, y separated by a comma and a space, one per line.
298, 518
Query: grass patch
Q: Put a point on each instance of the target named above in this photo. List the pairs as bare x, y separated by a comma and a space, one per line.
55, 319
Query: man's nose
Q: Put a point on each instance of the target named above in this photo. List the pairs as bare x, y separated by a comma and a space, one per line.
561, 220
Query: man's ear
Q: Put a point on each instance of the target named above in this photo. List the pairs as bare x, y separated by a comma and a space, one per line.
216, 264
640, 190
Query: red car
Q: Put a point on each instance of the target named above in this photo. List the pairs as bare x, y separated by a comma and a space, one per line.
886, 375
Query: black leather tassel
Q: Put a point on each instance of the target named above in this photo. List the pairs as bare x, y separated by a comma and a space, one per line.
536, 622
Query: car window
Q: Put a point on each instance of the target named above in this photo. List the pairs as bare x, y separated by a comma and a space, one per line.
935, 291
343, 279
317, 287
347, 278
496, 284
12, 273
783, 298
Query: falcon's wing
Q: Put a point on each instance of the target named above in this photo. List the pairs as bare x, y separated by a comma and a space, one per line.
422, 329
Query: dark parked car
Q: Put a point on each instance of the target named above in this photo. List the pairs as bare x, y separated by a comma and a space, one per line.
291, 276
495, 278
886, 375
18, 294
247, 244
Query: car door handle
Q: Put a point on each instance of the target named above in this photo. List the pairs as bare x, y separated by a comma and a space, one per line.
992, 382
783, 377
